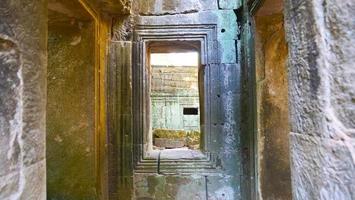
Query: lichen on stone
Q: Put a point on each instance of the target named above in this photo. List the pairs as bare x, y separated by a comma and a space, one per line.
192, 138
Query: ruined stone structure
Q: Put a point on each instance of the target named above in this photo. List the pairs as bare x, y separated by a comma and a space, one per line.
173, 89
275, 87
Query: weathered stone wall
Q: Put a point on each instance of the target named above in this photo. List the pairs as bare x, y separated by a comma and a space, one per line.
321, 69
272, 104
167, 113
174, 88
174, 81
71, 109
225, 69
22, 99
171, 7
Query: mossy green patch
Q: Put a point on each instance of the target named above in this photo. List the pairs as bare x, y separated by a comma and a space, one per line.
191, 137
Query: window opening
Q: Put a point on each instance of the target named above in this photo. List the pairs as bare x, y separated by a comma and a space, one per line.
190, 111
175, 100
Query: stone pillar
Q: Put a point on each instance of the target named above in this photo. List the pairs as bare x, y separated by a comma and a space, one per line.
23, 49
322, 91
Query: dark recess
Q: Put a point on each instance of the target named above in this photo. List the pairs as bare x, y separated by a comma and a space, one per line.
190, 111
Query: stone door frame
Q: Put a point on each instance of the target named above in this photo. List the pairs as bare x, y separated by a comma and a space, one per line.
205, 35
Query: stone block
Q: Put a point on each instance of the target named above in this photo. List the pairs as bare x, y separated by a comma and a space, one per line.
229, 4
167, 7
227, 51
208, 5
213, 56
321, 67
169, 143
9, 185
23, 96
184, 187
213, 94
306, 72
230, 78
216, 139
294, 4
341, 59
10, 108
34, 174
207, 17
114, 6
322, 168
227, 25
225, 20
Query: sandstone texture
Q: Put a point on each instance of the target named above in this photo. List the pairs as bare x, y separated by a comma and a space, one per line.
71, 111
320, 35
22, 99
272, 108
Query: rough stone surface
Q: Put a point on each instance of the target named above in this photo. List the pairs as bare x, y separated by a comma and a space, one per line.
22, 99
71, 111
229, 4
321, 94
122, 29
115, 7
273, 124
322, 168
179, 187
173, 89
226, 21
172, 7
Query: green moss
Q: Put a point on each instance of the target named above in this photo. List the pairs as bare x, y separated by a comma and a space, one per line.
192, 137
167, 133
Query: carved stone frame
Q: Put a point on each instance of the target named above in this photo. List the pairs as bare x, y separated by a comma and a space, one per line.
206, 35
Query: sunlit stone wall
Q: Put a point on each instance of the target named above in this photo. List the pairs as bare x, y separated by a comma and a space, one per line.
71, 108
321, 69
23, 26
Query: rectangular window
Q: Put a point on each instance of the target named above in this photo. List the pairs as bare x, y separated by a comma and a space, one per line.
175, 100
190, 111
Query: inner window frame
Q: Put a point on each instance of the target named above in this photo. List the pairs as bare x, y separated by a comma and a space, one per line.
173, 47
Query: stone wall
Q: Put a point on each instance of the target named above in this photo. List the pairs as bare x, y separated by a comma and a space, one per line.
272, 103
167, 113
174, 81
225, 89
71, 109
173, 89
22, 99
321, 69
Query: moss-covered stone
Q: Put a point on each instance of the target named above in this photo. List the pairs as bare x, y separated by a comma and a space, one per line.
192, 138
